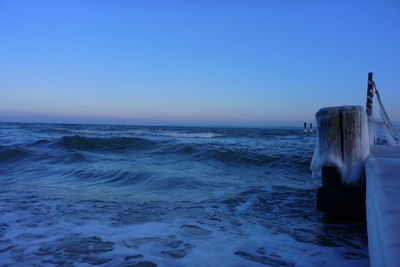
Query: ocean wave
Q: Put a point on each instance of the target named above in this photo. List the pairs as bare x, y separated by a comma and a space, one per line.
205, 135
171, 134
237, 156
117, 177
240, 157
9, 155
149, 181
68, 157
40, 142
200, 152
96, 143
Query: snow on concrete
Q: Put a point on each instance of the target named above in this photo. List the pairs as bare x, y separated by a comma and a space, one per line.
383, 205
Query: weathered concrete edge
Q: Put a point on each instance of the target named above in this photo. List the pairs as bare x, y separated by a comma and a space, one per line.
383, 205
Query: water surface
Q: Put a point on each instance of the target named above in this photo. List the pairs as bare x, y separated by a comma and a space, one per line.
169, 196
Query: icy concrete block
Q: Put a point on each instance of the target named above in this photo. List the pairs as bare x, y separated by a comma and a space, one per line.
342, 142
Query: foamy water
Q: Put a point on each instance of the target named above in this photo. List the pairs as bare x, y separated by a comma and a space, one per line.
167, 196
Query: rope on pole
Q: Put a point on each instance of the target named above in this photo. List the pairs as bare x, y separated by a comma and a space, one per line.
370, 94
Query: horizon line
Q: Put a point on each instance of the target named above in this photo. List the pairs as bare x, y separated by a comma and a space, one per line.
199, 125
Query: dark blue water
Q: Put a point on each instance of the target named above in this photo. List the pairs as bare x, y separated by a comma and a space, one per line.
172, 196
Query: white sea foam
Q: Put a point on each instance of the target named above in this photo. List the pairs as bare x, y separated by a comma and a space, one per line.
211, 236
171, 134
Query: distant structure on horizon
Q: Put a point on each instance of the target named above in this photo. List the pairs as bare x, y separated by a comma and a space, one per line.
309, 129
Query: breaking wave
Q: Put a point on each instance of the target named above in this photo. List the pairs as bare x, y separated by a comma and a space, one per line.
171, 134
71, 149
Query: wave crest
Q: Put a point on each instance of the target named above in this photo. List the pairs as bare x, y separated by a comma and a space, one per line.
172, 134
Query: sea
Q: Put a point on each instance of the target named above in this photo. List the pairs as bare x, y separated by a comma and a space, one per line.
120, 195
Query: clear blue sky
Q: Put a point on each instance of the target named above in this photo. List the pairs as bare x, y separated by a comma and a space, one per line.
270, 62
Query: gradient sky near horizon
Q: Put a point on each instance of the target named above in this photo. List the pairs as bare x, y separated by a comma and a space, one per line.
244, 63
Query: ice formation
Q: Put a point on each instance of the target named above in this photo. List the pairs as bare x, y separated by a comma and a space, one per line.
382, 131
342, 142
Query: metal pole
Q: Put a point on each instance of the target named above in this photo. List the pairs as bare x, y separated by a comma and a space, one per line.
370, 95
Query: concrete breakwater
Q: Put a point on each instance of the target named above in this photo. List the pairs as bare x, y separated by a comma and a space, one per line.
383, 205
